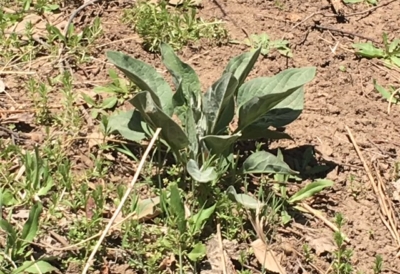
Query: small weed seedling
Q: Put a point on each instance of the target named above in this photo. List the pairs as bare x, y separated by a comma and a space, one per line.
342, 256
391, 94
390, 53
263, 41
160, 23
184, 226
378, 266
119, 91
77, 45
307, 253
17, 254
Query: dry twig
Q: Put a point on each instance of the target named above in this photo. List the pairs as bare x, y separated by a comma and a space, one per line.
386, 213
123, 200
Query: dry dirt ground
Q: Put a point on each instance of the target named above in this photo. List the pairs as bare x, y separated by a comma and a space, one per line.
334, 100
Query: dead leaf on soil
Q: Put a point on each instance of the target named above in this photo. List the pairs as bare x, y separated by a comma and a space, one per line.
95, 138
24, 117
216, 257
322, 245
267, 258
167, 262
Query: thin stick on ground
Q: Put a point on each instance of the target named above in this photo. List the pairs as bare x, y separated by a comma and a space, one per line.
317, 214
221, 247
123, 200
386, 213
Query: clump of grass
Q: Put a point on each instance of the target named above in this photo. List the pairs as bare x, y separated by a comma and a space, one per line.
157, 23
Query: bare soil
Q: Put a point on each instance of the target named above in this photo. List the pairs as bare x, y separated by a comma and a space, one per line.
334, 100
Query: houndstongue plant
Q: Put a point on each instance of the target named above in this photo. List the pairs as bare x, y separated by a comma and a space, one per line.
196, 126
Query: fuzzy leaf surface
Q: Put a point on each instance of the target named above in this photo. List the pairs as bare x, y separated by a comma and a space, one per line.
146, 78
171, 132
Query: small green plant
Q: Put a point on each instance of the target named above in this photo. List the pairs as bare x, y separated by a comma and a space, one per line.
263, 41
391, 94
390, 53
17, 254
39, 92
160, 23
307, 253
184, 229
196, 127
119, 91
77, 45
342, 256
38, 180
378, 266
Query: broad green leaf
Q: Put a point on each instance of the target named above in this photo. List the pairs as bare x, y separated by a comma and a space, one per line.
244, 199
171, 132
199, 174
395, 60
285, 217
44, 190
183, 75
191, 133
146, 78
109, 103
257, 107
287, 111
128, 124
384, 92
309, 190
217, 144
283, 81
290, 107
199, 219
240, 66
32, 224
217, 97
257, 131
225, 118
264, 162
177, 208
198, 252
35, 267
6, 198
368, 50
